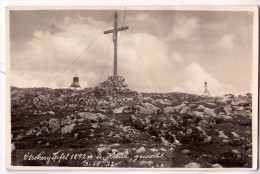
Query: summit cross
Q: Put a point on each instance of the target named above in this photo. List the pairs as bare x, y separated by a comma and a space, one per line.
114, 31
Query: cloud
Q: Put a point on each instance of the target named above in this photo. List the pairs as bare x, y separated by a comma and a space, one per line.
148, 62
159, 59
177, 57
141, 17
25, 79
184, 28
226, 42
194, 78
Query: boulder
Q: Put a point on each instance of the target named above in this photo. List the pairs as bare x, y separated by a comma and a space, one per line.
54, 125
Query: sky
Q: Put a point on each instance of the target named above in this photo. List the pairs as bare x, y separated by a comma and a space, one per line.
162, 51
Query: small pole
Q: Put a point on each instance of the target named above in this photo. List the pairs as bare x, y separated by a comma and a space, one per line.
115, 43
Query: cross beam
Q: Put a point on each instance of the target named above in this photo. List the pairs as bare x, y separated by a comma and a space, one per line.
114, 31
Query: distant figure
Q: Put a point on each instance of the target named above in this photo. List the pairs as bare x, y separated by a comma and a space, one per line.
206, 91
75, 83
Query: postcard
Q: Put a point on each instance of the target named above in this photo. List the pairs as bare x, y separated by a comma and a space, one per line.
165, 88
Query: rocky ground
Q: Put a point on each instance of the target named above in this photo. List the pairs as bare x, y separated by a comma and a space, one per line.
110, 125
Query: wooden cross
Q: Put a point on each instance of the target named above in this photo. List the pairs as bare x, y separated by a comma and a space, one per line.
114, 31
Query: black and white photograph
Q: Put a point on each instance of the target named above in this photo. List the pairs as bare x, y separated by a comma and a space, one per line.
132, 87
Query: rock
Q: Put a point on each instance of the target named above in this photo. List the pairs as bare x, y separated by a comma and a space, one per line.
192, 165
154, 150
185, 151
31, 132
145, 163
249, 152
165, 142
228, 109
235, 151
147, 108
184, 110
76, 135
72, 106
169, 109
140, 150
189, 131
207, 111
115, 85
12, 147
174, 122
18, 137
227, 98
137, 122
179, 107
119, 110
225, 141
207, 139
54, 125
203, 134
66, 121
67, 128
163, 102
198, 114
106, 149
222, 135
51, 113
204, 124
147, 121
216, 165
235, 135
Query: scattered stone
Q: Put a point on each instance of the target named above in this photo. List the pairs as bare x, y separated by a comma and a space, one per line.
145, 163
147, 108
67, 128
192, 165
154, 150
165, 142
235, 135
119, 110
76, 135
140, 150
189, 131
12, 147
54, 125
235, 151
217, 165
222, 135
51, 113
184, 110
185, 151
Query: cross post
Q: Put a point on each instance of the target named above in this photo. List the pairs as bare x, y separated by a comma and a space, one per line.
114, 31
